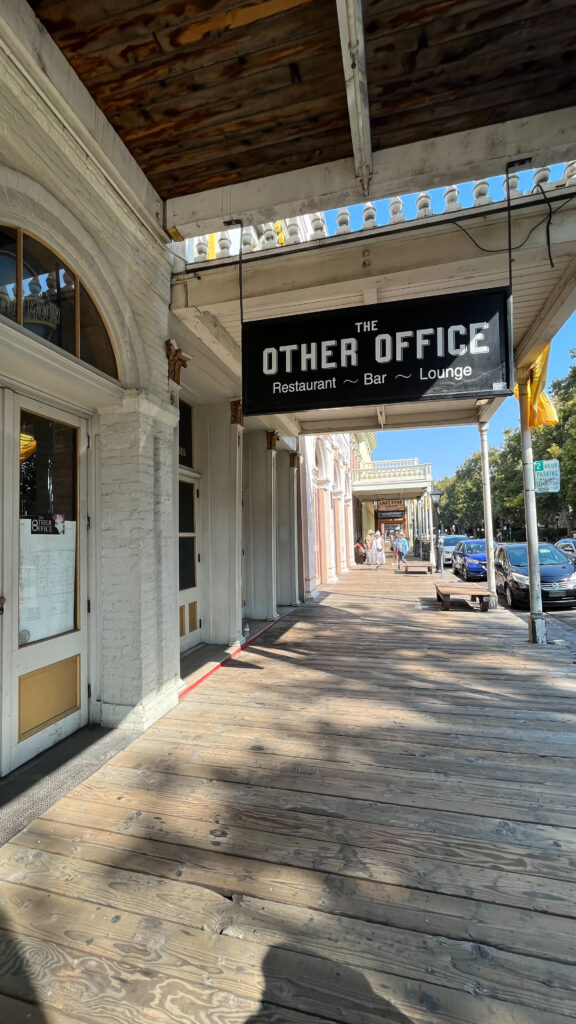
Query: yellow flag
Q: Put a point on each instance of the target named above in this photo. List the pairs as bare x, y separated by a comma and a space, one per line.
542, 410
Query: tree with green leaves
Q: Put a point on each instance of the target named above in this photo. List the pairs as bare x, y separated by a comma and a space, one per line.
462, 504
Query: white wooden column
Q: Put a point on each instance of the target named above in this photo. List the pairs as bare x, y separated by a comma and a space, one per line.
294, 544
219, 441
235, 522
488, 524
341, 565
263, 525
430, 527
420, 519
287, 469
307, 521
537, 622
349, 531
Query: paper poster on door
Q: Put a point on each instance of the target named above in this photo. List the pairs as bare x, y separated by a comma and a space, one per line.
47, 578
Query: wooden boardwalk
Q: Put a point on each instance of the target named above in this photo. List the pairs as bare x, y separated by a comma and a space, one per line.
368, 817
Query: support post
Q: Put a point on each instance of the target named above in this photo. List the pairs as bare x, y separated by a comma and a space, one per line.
488, 524
430, 528
295, 460
537, 622
287, 549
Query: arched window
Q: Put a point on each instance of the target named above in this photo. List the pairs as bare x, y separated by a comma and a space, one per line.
40, 292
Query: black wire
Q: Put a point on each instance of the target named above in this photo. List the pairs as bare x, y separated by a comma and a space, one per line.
235, 223
548, 222
509, 224
514, 248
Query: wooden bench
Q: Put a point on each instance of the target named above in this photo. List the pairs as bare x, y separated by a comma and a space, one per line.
445, 593
415, 565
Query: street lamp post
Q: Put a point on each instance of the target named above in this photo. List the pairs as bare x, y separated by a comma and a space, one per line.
435, 495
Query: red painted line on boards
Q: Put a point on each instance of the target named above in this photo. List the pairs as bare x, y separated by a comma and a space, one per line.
230, 656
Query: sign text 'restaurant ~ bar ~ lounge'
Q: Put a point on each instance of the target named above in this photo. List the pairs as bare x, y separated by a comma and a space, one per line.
452, 346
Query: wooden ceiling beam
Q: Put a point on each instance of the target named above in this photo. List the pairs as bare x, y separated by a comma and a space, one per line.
351, 27
306, 147
464, 26
462, 156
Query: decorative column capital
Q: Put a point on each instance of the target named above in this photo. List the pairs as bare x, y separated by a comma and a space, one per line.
176, 361
271, 440
236, 414
295, 460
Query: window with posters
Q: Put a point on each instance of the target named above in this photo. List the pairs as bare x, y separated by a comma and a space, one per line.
48, 528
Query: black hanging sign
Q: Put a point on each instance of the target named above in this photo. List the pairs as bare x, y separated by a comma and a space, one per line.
451, 346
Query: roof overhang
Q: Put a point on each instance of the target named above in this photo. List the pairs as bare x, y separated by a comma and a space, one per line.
415, 259
388, 489
462, 156
211, 98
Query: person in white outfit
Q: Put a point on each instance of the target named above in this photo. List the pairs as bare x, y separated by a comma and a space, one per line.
369, 547
379, 556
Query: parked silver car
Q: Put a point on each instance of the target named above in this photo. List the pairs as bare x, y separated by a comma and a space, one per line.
568, 546
448, 542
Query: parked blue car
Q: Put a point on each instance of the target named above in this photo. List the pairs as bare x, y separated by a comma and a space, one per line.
469, 559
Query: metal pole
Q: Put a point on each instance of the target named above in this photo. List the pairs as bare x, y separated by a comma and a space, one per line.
537, 622
488, 524
430, 528
439, 554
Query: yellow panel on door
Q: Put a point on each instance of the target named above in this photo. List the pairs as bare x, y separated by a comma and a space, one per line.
47, 695
192, 616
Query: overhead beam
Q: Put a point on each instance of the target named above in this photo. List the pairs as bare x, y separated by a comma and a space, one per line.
559, 306
351, 28
464, 156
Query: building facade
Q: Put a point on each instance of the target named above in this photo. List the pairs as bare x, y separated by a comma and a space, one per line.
139, 515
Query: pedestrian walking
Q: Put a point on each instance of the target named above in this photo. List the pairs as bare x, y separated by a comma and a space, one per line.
369, 547
401, 550
359, 552
379, 556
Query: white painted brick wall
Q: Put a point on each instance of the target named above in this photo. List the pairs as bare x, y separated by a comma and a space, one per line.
58, 182
140, 658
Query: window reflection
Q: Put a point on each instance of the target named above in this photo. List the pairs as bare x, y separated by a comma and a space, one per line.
8, 273
49, 287
95, 345
39, 291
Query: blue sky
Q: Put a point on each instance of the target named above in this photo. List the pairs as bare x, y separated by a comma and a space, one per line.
447, 447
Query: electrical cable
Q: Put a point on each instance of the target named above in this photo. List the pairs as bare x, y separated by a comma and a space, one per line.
548, 222
514, 248
509, 226
239, 223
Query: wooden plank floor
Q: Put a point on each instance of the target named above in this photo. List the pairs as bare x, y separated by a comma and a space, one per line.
369, 816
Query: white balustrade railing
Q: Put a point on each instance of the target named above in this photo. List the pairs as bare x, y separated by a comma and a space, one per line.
396, 463
297, 230
383, 470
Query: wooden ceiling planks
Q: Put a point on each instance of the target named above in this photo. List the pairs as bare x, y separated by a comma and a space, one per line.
449, 65
198, 90
207, 93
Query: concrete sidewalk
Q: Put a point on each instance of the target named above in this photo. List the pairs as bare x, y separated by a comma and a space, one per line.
367, 816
